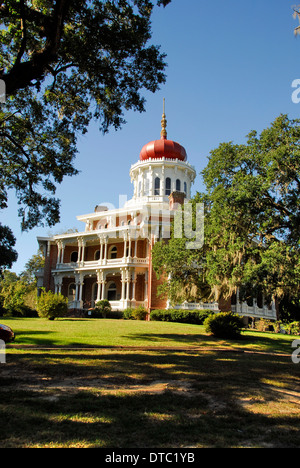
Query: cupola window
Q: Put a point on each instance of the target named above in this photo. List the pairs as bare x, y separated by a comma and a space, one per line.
156, 186
168, 186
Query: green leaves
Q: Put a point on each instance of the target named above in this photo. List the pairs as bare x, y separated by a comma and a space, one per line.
65, 63
253, 224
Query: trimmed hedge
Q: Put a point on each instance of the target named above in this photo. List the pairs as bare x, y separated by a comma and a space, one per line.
196, 317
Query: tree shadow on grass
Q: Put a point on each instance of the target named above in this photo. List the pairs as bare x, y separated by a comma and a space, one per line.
200, 405
172, 339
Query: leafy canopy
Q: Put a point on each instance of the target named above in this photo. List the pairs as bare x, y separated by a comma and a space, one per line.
65, 63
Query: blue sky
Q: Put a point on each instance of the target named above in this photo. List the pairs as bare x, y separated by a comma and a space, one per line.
230, 70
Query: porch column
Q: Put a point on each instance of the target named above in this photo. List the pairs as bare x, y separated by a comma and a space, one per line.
146, 286
58, 284
135, 247
127, 284
129, 246
99, 278
59, 247
76, 290
83, 251
81, 282
62, 252
105, 249
101, 250
123, 285
103, 290
125, 245
79, 250
133, 285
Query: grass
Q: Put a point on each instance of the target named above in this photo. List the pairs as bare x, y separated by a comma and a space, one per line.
149, 384
108, 333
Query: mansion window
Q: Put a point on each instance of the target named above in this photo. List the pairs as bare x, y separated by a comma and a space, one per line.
147, 187
168, 186
185, 187
156, 186
112, 292
74, 257
72, 292
178, 185
113, 252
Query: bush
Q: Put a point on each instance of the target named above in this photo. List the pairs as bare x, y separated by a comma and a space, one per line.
128, 313
292, 328
196, 317
51, 306
224, 325
102, 308
140, 313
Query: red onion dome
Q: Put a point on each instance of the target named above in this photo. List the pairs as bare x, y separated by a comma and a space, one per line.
163, 148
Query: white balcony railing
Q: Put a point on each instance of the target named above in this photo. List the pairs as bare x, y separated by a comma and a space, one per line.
102, 263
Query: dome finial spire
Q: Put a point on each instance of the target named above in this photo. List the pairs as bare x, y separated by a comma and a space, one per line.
163, 132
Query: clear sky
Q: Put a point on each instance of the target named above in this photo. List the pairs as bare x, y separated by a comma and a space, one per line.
231, 65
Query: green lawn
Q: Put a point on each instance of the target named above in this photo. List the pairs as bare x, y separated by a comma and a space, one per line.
147, 385
104, 332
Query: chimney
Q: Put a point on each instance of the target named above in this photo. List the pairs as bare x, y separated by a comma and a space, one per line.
176, 198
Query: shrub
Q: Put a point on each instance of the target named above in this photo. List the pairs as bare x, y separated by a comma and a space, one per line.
140, 313
127, 313
293, 328
51, 306
102, 308
224, 325
196, 317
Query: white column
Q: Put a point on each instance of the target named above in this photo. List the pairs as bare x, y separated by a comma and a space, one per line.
103, 290
123, 285
99, 277
133, 285
83, 251
101, 249
129, 247
79, 250
62, 252
105, 250
58, 253
146, 286
127, 284
135, 247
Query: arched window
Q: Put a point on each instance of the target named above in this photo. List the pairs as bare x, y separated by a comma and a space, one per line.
178, 185
156, 186
112, 292
113, 252
185, 187
74, 257
168, 186
97, 255
147, 187
72, 292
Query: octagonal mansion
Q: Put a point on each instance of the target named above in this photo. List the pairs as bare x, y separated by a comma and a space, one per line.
111, 257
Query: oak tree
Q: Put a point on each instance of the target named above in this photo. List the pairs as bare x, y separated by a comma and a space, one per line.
65, 63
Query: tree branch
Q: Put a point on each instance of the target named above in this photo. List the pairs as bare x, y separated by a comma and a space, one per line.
23, 73
24, 35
